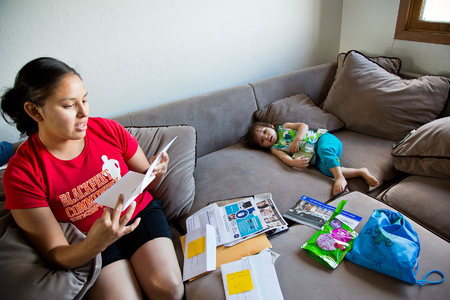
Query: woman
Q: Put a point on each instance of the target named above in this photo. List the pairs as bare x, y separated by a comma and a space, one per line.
68, 160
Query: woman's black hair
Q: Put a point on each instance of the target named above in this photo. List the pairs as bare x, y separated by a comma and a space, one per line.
249, 139
34, 83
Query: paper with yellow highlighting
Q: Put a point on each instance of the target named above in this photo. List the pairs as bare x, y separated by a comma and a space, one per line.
228, 254
251, 278
239, 282
200, 252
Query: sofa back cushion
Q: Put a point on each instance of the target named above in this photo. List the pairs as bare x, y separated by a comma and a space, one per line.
314, 81
390, 64
298, 108
426, 151
370, 100
177, 189
220, 118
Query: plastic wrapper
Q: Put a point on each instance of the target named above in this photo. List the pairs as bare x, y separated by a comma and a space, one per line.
330, 244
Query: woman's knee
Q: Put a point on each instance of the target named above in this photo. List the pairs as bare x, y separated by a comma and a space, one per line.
168, 287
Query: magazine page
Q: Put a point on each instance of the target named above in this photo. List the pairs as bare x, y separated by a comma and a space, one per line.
270, 213
244, 219
268, 210
314, 213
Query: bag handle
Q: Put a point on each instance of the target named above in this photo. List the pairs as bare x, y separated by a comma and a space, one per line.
423, 281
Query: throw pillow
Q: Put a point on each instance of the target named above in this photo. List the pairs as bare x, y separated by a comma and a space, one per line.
426, 151
390, 64
298, 108
370, 100
177, 189
25, 275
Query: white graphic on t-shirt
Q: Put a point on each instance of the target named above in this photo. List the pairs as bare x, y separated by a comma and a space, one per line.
112, 166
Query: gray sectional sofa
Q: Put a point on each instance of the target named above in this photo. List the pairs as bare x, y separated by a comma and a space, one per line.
214, 165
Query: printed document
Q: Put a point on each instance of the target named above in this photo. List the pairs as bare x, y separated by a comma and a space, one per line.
233, 222
200, 252
251, 278
131, 185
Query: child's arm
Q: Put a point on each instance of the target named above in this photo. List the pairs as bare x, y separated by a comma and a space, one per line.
302, 129
300, 162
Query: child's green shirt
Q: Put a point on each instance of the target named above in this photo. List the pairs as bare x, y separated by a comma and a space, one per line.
287, 136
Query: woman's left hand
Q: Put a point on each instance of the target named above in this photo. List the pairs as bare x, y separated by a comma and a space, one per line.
161, 168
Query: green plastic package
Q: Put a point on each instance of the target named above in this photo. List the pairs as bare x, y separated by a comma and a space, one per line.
331, 243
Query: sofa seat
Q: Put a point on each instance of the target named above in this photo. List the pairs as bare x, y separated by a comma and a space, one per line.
301, 277
374, 153
237, 171
424, 199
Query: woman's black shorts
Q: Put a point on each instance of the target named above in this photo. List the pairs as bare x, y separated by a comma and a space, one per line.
153, 225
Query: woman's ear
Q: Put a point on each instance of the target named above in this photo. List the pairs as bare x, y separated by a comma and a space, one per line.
33, 111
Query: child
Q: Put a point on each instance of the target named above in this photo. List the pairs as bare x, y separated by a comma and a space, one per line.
297, 146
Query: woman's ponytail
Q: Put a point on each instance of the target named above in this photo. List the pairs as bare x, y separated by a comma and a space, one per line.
34, 83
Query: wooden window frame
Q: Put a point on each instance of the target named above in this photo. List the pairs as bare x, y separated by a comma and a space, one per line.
410, 27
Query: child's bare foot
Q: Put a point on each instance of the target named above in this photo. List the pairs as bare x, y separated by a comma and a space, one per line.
369, 178
339, 185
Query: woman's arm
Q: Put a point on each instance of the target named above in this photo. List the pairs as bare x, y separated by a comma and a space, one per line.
300, 162
302, 129
139, 163
44, 232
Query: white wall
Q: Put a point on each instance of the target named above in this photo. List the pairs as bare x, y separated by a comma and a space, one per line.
369, 26
139, 53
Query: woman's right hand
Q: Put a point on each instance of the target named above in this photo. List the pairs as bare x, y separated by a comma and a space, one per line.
111, 226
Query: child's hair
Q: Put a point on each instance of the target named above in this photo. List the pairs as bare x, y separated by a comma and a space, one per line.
249, 139
34, 82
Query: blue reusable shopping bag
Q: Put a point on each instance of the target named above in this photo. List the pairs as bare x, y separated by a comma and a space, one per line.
388, 244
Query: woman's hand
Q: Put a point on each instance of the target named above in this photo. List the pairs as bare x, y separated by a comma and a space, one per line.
161, 168
111, 226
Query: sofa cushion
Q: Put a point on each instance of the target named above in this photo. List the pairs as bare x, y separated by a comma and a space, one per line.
177, 190
298, 108
425, 199
24, 274
314, 81
390, 64
370, 100
425, 151
237, 171
298, 274
220, 118
374, 153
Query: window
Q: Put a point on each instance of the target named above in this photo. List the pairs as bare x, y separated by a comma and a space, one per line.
424, 21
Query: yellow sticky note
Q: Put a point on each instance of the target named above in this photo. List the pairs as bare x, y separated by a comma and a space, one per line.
239, 282
196, 247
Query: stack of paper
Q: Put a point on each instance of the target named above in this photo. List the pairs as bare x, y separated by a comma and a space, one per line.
234, 222
252, 277
200, 252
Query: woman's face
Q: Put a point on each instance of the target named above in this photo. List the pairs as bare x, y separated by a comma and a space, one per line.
64, 115
266, 137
